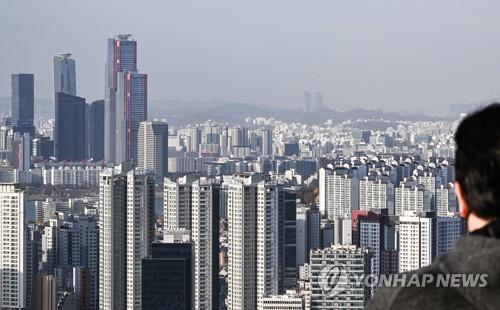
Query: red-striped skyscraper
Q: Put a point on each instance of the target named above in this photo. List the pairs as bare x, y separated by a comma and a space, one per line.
125, 101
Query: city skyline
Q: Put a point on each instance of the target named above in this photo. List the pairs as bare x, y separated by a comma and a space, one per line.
309, 205
344, 51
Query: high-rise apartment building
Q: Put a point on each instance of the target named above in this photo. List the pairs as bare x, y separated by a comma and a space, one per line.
23, 102
254, 239
205, 200
412, 197
72, 243
355, 263
13, 249
177, 203
194, 204
265, 141
153, 148
193, 139
376, 193
375, 232
446, 201
416, 245
126, 230
338, 193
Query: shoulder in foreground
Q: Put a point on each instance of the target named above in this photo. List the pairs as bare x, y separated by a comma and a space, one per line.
394, 292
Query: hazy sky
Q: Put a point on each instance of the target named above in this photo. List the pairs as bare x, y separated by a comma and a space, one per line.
397, 54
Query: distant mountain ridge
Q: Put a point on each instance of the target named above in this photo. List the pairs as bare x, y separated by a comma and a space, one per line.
179, 112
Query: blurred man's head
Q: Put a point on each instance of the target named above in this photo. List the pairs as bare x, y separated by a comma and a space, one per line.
477, 165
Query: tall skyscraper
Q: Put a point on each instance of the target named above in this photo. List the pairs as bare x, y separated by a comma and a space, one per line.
140, 230
95, 131
64, 74
242, 252
253, 251
13, 249
131, 110
70, 127
193, 204
153, 148
23, 102
126, 229
125, 100
205, 200
167, 277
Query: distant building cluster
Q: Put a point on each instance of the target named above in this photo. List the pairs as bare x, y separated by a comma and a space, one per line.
105, 208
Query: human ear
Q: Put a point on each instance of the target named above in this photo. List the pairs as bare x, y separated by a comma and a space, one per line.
462, 202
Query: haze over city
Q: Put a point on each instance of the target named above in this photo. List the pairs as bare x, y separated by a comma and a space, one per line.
418, 56
249, 155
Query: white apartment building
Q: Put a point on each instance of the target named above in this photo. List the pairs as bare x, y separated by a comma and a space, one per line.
415, 245
267, 240
13, 247
375, 194
370, 238
126, 229
72, 175
253, 240
412, 197
338, 193
205, 201
177, 203
152, 151
242, 252
446, 201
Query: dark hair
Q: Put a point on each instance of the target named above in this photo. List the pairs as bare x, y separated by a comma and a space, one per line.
477, 160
